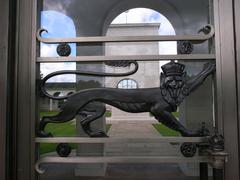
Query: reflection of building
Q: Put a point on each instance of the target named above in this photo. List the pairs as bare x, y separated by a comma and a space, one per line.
148, 73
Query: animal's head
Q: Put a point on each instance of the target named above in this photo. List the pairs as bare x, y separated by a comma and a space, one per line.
172, 80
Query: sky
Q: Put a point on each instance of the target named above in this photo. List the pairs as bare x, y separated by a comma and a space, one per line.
59, 25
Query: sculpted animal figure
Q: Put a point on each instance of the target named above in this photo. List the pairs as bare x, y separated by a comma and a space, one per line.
159, 101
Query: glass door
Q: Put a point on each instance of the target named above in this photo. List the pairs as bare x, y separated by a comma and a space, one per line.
123, 91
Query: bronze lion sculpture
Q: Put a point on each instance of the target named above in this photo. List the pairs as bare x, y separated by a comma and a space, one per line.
159, 101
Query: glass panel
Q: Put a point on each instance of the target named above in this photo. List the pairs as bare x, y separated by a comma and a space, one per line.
81, 18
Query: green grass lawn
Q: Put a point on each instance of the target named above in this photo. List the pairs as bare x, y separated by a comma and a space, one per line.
108, 114
67, 129
165, 131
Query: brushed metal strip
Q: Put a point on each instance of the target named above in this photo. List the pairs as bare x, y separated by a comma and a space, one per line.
119, 140
101, 39
131, 57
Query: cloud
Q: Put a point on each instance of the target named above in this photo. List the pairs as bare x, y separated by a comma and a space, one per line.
59, 25
47, 68
48, 50
143, 15
137, 15
57, 5
167, 48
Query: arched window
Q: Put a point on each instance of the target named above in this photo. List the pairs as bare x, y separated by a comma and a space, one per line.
127, 84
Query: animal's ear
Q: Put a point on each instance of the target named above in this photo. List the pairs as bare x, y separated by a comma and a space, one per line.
162, 77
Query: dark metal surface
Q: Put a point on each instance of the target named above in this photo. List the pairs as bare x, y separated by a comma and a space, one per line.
218, 174
25, 89
118, 63
63, 149
158, 101
4, 15
63, 49
216, 142
217, 155
203, 168
184, 47
188, 149
87, 73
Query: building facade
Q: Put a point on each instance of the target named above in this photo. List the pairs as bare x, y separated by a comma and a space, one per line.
148, 74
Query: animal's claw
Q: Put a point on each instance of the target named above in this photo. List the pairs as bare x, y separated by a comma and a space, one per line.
44, 134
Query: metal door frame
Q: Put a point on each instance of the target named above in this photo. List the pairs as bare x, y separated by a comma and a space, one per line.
227, 112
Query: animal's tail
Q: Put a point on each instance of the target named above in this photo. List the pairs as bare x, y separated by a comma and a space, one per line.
88, 73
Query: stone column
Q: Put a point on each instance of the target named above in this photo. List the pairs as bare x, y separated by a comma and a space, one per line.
86, 82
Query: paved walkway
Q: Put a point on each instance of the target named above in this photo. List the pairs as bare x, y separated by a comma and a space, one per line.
137, 129
133, 129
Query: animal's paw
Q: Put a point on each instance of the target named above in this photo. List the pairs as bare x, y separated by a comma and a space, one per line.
210, 67
98, 134
44, 134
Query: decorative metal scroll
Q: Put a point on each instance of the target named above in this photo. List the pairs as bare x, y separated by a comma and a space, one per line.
207, 33
64, 49
184, 47
160, 102
88, 73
